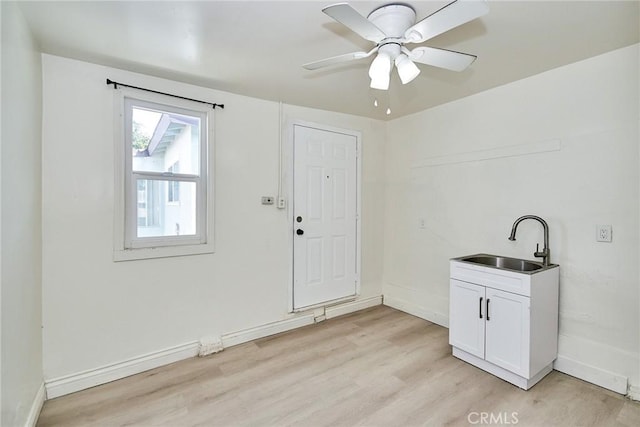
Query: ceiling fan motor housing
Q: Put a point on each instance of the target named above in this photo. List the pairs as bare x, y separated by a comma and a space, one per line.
393, 19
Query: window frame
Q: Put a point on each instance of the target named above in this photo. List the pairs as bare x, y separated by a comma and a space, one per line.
173, 190
127, 245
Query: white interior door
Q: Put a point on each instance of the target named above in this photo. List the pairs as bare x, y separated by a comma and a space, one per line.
324, 216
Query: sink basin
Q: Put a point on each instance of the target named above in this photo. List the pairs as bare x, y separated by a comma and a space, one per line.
504, 263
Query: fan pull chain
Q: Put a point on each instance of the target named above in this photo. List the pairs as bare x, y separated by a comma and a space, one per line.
376, 103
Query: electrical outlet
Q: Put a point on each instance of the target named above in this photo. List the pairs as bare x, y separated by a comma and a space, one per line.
603, 233
267, 200
282, 203
422, 223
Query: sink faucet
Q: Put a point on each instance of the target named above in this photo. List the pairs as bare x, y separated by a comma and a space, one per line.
546, 253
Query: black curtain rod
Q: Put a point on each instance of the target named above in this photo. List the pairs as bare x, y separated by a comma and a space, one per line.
116, 84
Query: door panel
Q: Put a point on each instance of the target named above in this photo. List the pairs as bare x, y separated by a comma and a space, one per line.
314, 260
466, 328
340, 198
314, 194
325, 197
339, 257
507, 328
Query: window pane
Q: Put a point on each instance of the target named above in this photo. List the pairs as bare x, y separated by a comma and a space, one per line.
157, 216
160, 139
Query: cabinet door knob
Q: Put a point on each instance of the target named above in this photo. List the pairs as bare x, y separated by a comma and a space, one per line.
299, 232
488, 309
480, 308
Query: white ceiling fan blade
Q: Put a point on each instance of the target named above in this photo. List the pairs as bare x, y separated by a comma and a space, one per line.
338, 59
447, 59
452, 15
350, 18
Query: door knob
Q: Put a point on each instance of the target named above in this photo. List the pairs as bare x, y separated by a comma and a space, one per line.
299, 232
299, 219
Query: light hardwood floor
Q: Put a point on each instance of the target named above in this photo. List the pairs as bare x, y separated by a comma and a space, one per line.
377, 367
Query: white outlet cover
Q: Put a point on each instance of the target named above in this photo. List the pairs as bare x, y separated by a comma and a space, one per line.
603, 233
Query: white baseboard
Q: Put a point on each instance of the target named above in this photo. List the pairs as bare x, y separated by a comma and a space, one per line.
36, 407
634, 393
301, 319
351, 307
93, 377
597, 376
415, 310
71, 383
246, 335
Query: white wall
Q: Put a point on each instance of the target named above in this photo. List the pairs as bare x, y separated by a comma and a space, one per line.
437, 170
97, 312
21, 357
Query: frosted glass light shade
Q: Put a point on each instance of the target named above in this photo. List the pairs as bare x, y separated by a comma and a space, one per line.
407, 70
380, 71
381, 83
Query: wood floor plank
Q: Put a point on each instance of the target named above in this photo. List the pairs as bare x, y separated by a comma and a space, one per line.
377, 367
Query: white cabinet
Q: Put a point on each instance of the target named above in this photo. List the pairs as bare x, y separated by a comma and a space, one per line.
504, 322
466, 321
507, 316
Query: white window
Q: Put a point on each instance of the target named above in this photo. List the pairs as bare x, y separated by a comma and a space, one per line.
163, 177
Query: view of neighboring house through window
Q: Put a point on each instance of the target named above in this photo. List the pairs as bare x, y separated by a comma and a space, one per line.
146, 205
166, 176
173, 194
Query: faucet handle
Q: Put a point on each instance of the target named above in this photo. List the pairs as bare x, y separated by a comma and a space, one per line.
537, 253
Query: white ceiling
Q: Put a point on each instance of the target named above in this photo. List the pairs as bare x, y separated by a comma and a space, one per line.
256, 48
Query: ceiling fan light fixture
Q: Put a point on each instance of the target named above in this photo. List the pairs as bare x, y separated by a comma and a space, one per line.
380, 71
407, 70
381, 83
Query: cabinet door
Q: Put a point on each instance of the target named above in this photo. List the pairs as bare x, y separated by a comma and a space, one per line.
466, 317
507, 331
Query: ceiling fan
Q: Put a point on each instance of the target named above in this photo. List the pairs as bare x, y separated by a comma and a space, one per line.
393, 26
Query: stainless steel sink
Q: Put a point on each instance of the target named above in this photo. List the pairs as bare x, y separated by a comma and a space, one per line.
505, 263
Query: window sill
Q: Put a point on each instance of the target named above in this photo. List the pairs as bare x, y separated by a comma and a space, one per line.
161, 252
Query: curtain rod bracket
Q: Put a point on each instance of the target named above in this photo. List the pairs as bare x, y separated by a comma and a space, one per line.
115, 86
